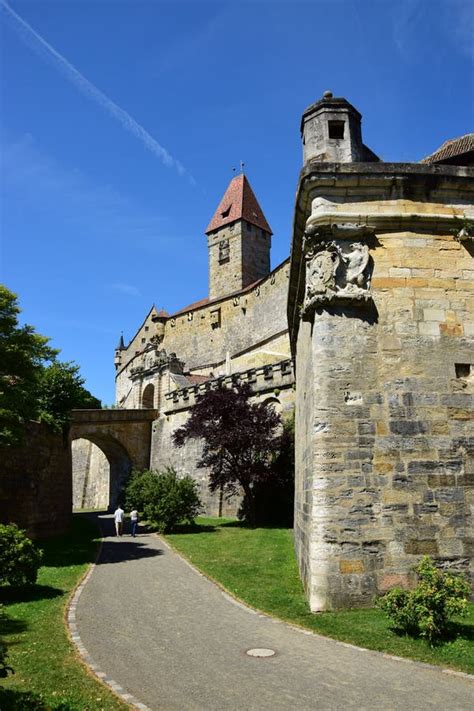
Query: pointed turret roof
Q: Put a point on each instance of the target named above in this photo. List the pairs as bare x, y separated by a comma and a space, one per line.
238, 203
121, 344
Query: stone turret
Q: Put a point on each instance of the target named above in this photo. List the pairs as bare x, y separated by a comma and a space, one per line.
331, 132
239, 241
118, 352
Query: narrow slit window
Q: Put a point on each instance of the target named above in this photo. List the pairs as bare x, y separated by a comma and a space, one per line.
336, 129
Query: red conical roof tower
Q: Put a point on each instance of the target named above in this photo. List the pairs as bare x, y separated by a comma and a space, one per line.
239, 203
239, 240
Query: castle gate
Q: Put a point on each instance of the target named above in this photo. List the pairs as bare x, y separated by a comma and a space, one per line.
124, 437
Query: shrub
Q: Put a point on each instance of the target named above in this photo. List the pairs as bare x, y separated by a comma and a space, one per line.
20, 559
163, 498
426, 609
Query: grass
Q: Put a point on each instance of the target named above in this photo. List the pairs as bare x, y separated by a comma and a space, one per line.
48, 675
258, 567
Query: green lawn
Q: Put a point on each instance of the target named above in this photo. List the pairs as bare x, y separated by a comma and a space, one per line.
48, 675
258, 567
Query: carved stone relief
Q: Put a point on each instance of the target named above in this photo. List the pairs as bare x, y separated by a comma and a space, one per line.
337, 270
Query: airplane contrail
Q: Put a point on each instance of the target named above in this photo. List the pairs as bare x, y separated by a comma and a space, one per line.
40, 45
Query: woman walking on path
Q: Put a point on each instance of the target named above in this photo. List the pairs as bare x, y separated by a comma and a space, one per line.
134, 522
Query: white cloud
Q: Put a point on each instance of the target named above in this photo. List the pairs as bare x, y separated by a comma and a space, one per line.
126, 289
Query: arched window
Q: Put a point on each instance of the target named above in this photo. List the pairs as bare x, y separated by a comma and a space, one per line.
148, 397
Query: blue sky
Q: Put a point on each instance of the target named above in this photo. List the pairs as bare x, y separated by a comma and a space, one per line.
122, 121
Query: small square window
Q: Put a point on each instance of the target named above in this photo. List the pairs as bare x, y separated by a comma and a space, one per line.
463, 370
336, 129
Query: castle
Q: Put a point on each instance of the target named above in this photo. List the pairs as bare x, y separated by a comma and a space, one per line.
375, 312
239, 331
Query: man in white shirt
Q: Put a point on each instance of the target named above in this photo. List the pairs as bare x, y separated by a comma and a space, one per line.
118, 518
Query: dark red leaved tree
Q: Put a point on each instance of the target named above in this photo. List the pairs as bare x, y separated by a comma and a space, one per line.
240, 439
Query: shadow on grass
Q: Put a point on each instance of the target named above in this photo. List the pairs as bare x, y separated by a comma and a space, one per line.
455, 630
9, 626
76, 547
27, 593
194, 528
13, 700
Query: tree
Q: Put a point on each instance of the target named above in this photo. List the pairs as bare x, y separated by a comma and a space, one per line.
22, 355
34, 385
61, 389
240, 439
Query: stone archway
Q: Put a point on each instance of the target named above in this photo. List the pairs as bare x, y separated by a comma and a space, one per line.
148, 397
98, 476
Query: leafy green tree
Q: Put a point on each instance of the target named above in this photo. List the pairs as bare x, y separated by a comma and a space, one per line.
163, 498
34, 385
240, 440
61, 389
22, 355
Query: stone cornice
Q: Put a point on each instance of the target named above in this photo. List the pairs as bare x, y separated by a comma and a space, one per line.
384, 197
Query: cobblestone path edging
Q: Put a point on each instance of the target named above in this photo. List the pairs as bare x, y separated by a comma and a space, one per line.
84, 654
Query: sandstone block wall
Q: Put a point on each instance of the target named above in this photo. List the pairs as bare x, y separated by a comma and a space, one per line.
91, 476
35, 483
384, 400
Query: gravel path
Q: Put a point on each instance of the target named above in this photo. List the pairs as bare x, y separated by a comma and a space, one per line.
171, 638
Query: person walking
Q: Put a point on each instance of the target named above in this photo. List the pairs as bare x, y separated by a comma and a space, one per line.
118, 518
134, 522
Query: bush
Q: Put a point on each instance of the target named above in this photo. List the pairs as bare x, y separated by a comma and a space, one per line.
163, 499
426, 609
20, 559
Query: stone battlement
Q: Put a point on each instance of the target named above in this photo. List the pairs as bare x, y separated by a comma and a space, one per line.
265, 378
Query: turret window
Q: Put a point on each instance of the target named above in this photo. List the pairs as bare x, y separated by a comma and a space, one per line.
336, 129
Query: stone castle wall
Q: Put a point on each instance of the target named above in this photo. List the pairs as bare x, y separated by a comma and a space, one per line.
384, 400
272, 383
203, 337
35, 491
91, 479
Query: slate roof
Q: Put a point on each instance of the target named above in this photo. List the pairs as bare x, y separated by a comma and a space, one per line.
239, 203
451, 149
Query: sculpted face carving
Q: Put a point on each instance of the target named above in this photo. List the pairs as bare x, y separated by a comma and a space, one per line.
337, 270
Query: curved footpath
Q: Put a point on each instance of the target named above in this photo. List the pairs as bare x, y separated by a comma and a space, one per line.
176, 642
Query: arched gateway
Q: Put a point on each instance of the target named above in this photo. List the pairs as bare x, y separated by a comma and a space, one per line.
123, 436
